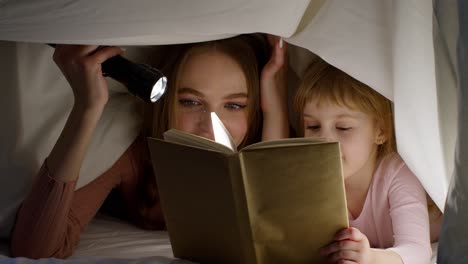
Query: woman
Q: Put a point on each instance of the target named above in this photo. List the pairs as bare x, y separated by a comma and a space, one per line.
221, 76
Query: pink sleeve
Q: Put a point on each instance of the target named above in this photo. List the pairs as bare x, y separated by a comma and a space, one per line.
53, 215
44, 219
410, 220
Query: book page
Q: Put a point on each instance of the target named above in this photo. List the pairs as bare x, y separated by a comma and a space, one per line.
183, 138
221, 134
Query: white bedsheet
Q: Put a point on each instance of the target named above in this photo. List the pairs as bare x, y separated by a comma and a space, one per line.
108, 240
110, 237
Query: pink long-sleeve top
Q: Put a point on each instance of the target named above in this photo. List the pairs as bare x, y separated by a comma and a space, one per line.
395, 214
53, 215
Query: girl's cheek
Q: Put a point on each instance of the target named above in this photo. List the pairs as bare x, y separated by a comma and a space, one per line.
310, 133
346, 136
345, 143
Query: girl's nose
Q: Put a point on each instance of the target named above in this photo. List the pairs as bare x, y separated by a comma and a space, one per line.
327, 135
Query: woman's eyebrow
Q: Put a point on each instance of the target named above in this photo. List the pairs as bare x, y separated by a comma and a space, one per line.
189, 91
236, 95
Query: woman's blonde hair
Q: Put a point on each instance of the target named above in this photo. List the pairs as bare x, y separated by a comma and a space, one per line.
250, 52
323, 83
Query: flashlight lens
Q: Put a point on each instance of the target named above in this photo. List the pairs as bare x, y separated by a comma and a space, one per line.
158, 89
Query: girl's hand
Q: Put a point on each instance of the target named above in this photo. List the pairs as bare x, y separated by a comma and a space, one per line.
273, 92
351, 246
81, 66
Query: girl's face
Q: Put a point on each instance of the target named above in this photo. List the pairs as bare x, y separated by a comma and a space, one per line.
354, 130
210, 81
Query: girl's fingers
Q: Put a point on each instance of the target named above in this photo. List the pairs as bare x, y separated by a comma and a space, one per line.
347, 262
349, 255
341, 245
350, 247
351, 234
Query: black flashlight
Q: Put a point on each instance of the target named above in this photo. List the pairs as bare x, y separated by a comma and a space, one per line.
141, 80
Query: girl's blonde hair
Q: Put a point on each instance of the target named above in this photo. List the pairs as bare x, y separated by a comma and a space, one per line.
324, 83
251, 52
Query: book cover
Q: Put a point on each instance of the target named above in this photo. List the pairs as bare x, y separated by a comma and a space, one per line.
271, 202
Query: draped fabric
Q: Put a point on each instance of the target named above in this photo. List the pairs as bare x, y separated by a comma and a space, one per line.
393, 46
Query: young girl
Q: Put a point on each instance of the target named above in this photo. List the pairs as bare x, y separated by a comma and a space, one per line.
221, 76
386, 203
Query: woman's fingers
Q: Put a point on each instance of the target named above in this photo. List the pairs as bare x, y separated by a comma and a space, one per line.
278, 56
65, 52
81, 66
88, 54
279, 53
272, 39
103, 54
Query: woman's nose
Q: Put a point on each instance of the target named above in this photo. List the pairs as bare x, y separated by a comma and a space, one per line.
205, 127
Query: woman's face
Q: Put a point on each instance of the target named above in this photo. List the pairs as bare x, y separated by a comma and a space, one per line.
210, 81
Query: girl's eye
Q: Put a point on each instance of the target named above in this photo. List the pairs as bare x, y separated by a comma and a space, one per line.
313, 127
235, 106
344, 128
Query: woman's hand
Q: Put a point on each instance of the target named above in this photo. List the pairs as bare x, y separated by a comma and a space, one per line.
274, 92
273, 78
81, 66
350, 246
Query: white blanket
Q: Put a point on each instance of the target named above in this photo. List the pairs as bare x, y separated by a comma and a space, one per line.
109, 240
386, 44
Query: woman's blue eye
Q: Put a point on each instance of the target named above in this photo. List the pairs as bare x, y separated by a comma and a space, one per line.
234, 106
188, 102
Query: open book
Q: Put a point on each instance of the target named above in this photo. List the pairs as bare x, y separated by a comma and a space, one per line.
271, 202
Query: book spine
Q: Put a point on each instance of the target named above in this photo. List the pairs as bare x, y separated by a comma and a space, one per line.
242, 212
